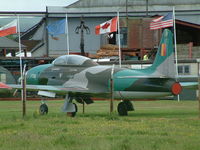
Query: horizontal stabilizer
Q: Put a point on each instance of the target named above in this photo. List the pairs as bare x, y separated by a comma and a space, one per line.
140, 77
189, 85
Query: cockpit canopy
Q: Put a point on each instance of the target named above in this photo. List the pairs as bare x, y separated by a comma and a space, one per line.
75, 60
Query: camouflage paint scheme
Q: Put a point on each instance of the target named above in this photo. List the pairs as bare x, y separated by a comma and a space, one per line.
78, 76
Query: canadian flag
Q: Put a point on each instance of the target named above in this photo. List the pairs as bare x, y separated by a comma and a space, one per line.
8, 29
107, 27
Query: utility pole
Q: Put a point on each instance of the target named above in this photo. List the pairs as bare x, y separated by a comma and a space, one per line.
81, 28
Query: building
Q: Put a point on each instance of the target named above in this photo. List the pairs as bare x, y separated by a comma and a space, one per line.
135, 17
9, 47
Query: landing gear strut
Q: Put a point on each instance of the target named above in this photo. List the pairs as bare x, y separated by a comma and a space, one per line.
123, 108
73, 114
69, 107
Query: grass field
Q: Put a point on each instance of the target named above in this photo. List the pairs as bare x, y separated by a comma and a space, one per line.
155, 125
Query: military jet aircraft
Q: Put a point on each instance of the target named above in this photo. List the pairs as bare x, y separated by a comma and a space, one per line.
80, 78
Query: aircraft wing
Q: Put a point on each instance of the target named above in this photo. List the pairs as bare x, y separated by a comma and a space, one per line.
52, 88
189, 85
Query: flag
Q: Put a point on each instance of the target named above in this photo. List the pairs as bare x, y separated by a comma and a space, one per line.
56, 28
162, 22
107, 27
8, 29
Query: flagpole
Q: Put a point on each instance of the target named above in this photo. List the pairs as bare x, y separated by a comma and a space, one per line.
175, 47
119, 41
67, 33
23, 95
20, 50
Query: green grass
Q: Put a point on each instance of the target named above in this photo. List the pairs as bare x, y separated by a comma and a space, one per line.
155, 125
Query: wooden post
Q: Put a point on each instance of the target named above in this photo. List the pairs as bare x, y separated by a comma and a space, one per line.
198, 73
111, 89
83, 106
25, 52
112, 95
23, 80
190, 49
4, 52
24, 96
199, 94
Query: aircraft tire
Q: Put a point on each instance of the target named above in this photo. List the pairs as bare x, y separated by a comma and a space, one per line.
73, 114
43, 109
122, 110
129, 105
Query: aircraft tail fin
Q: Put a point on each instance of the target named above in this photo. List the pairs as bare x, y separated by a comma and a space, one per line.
164, 60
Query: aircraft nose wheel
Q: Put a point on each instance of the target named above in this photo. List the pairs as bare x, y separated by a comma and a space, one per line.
122, 109
43, 109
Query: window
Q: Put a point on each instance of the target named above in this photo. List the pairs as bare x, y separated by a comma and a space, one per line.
180, 69
187, 69
123, 34
123, 37
3, 77
184, 69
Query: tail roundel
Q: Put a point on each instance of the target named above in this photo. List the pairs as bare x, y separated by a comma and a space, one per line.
164, 60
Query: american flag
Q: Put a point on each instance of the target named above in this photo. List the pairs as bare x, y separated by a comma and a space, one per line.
162, 22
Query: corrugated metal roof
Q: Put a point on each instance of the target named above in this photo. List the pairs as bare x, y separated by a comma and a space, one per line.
106, 3
132, 5
186, 10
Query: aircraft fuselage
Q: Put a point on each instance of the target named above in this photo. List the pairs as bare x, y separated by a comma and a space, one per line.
128, 83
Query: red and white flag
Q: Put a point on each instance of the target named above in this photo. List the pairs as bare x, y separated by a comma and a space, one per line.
107, 27
162, 22
8, 29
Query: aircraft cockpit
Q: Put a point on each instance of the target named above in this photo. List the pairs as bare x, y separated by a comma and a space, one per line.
75, 60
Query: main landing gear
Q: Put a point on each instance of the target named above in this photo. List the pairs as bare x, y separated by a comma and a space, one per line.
69, 107
73, 114
123, 107
43, 110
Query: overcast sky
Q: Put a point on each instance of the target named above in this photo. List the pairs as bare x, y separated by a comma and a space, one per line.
27, 6
31, 5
